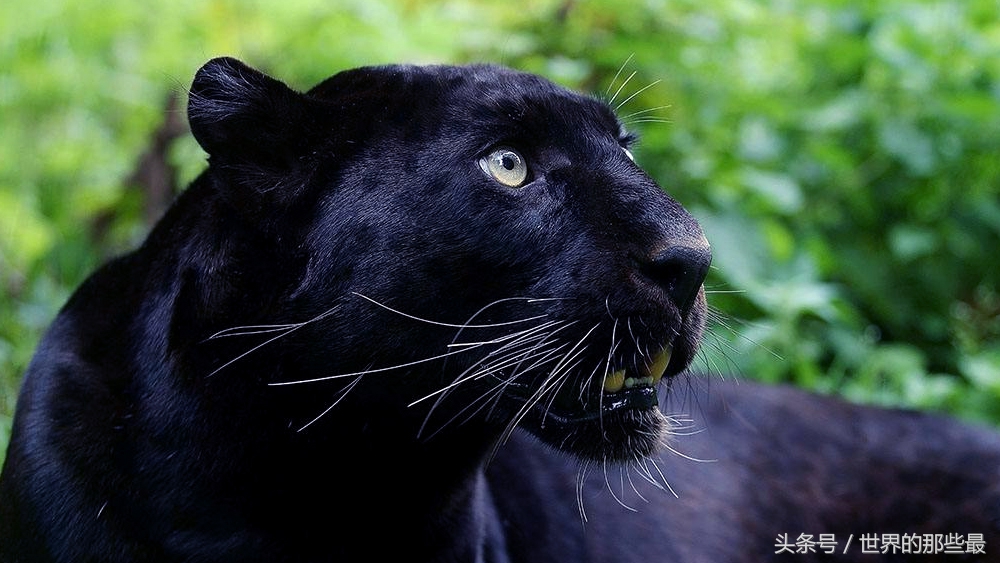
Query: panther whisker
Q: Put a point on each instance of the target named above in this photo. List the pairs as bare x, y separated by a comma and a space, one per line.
397, 366
537, 396
628, 476
677, 452
460, 326
530, 300
558, 384
615, 79
607, 482
529, 403
628, 118
369, 371
641, 468
607, 370
293, 328
343, 393
250, 330
512, 349
640, 349
512, 358
577, 348
663, 478
711, 365
651, 120
508, 354
536, 329
681, 425
636, 93
620, 88
512, 425
581, 479
252, 350
493, 394
721, 319
586, 383
534, 399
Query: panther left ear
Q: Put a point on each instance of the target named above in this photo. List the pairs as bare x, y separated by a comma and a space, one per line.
254, 128
239, 112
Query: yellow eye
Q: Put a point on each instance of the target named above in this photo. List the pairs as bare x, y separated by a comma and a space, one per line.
506, 166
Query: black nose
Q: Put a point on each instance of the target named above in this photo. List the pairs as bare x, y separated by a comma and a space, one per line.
680, 270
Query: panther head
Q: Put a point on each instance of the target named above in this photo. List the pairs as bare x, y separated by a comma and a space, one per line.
460, 246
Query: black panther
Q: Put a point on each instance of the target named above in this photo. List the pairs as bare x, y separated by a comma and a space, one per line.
436, 314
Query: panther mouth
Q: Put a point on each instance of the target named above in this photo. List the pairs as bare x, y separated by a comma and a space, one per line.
623, 389
619, 380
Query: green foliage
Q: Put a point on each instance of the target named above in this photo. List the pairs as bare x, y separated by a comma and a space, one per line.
842, 156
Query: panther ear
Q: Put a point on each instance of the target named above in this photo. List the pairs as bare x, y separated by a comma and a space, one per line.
256, 131
237, 112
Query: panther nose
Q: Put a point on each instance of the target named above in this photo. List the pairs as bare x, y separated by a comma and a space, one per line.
680, 271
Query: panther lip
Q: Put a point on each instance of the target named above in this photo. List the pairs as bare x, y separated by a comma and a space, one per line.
618, 380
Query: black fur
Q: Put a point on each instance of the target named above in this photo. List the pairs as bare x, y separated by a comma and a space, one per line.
327, 349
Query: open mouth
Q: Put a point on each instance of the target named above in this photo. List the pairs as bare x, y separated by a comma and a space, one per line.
620, 380
615, 418
622, 390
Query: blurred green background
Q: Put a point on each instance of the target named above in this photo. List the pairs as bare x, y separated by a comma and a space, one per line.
843, 157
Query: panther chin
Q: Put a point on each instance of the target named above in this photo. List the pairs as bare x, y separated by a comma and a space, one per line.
615, 422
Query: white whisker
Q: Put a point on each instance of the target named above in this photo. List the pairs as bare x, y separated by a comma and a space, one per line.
615, 79
413, 363
568, 359
628, 475
461, 326
523, 346
663, 478
366, 372
493, 394
343, 393
511, 359
643, 112
636, 93
651, 120
581, 478
292, 328
676, 452
611, 489
250, 330
620, 88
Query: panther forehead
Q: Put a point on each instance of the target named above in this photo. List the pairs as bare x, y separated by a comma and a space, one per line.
482, 94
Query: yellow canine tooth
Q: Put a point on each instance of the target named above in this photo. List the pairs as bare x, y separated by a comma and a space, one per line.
613, 382
659, 365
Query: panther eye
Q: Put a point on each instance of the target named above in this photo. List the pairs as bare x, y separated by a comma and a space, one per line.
506, 166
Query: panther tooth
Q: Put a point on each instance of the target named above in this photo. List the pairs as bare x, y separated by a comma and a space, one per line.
614, 382
659, 365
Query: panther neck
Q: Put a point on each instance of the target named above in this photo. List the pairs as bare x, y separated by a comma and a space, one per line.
384, 498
